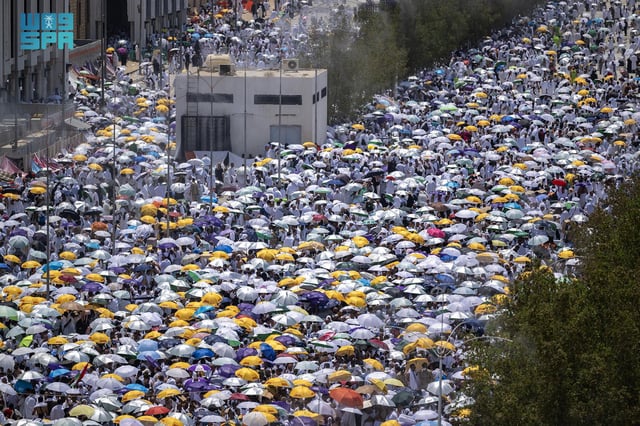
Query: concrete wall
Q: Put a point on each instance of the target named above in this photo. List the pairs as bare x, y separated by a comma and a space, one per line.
312, 119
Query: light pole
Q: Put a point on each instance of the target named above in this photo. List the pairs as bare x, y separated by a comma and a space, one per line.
279, 124
115, 194
244, 149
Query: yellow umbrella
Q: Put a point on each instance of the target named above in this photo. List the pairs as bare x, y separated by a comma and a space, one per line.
171, 421
184, 313
11, 258
95, 277
148, 219
445, 345
112, 376
251, 361
301, 392
67, 255
167, 393
357, 126
169, 304
79, 157
29, 264
284, 257
37, 190
82, 410
339, 376
12, 290
99, 338
248, 374
57, 340
566, 254
416, 327
347, 350
393, 382
79, 366
278, 382
374, 363
360, 241
127, 171
522, 259
485, 308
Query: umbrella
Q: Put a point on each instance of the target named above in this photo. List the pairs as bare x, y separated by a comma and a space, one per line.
257, 418
347, 397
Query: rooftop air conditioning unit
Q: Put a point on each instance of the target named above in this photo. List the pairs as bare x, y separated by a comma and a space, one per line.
292, 65
225, 69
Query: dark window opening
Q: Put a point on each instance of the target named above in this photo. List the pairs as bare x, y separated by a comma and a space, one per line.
218, 98
277, 100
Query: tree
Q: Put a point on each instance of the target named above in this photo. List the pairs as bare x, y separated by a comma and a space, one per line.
574, 356
367, 54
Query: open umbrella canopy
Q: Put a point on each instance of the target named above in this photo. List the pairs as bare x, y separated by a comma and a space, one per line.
282, 276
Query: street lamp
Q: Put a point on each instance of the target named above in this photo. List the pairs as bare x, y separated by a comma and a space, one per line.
115, 194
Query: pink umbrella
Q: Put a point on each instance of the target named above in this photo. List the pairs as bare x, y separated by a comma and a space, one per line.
436, 233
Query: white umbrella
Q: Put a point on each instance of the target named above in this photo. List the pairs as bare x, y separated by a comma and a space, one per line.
370, 321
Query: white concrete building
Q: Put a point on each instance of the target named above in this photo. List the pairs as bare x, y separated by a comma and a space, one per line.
243, 110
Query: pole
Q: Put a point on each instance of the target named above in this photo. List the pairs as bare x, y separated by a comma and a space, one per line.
440, 355
212, 181
244, 154
104, 51
140, 37
48, 201
279, 124
168, 156
115, 205
16, 80
315, 121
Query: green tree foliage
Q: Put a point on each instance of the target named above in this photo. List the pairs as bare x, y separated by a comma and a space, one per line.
383, 45
575, 352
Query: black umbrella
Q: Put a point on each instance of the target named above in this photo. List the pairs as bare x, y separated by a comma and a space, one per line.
403, 398
70, 215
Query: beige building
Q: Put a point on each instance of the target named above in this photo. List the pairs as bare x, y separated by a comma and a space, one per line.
223, 109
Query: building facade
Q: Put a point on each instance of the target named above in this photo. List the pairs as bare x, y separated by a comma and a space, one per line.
243, 110
29, 75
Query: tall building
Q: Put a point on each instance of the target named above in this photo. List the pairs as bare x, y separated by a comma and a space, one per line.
29, 74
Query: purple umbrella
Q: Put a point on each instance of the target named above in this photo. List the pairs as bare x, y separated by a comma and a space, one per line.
199, 367
245, 352
228, 370
196, 385
287, 340
92, 287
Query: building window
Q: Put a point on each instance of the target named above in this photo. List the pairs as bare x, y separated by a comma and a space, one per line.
275, 100
286, 134
205, 133
324, 92
218, 98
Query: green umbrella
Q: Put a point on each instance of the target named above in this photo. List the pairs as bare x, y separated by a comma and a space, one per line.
8, 312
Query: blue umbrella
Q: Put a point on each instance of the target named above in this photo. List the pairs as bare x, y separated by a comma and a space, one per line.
136, 386
55, 266
202, 353
22, 386
267, 351
59, 372
4, 266
222, 247
147, 345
